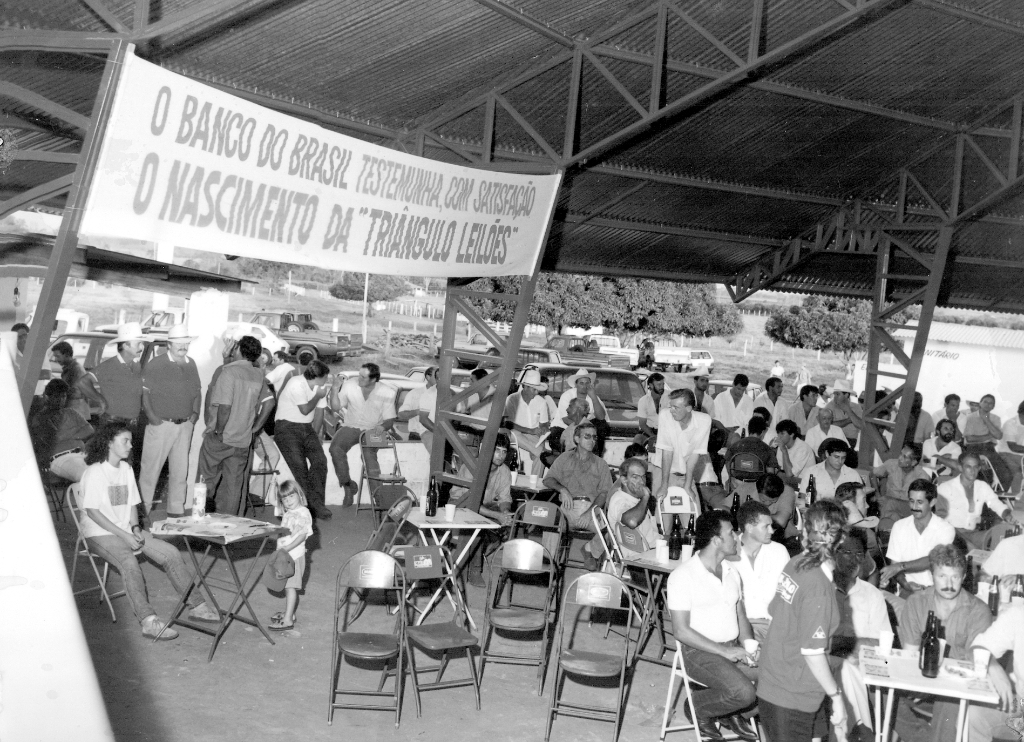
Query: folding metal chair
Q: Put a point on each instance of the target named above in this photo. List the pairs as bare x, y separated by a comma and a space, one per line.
525, 562
389, 535
384, 489
574, 656
56, 489
359, 578
82, 549
679, 671
677, 501
262, 478
427, 563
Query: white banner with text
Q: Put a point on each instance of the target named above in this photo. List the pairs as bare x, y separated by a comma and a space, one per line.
185, 163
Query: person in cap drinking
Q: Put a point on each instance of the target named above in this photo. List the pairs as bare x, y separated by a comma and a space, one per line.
171, 395
120, 380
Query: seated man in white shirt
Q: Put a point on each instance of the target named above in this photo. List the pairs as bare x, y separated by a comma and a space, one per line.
964, 498
1011, 447
1006, 634
795, 456
704, 598
648, 408
583, 389
940, 453
628, 504
410, 409
804, 412
982, 430
526, 413
824, 429
831, 472
759, 561
913, 538
733, 407
768, 399
951, 411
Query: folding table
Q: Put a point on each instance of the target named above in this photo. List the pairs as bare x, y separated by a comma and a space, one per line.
899, 670
436, 531
217, 529
655, 572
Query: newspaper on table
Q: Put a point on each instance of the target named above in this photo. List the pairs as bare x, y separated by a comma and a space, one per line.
218, 527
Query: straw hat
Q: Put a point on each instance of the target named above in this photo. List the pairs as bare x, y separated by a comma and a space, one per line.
128, 332
532, 378
179, 334
583, 374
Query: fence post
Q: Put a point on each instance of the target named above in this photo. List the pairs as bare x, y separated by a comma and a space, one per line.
334, 325
414, 328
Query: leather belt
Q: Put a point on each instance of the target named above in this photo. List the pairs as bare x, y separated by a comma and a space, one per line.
585, 499
64, 453
179, 421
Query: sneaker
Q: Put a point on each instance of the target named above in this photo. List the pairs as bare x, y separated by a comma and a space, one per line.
476, 579
351, 488
203, 612
152, 626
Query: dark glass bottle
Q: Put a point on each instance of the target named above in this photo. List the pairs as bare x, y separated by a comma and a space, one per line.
970, 580
688, 533
675, 540
1017, 594
432, 499
734, 511
812, 491
993, 597
931, 654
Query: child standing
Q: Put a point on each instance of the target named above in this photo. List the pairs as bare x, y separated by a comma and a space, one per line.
297, 519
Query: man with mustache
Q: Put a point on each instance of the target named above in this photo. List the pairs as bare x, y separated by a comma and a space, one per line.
628, 504
940, 453
913, 538
962, 615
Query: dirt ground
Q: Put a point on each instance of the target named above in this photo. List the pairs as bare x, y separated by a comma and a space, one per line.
168, 692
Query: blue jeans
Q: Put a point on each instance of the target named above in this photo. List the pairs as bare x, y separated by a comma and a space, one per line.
343, 440
730, 685
223, 468
300, 444
783, 724
113, 550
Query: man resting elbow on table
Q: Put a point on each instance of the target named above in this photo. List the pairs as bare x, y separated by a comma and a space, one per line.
582, 480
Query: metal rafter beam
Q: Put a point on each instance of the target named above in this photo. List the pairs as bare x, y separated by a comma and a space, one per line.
628, 271
43, 192
666, 229
44, 104
73, 42
41, 155
106, 15
975, 16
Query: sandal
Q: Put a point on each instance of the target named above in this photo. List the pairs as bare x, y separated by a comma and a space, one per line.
278, 624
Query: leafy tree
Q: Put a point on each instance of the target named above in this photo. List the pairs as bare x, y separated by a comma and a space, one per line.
623, 305
823, 323
382, 288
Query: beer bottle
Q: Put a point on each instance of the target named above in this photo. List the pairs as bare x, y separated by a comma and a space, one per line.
993, 597
734, 511
812, 491
432, 499
675, 540
1017, 594
931, 657
688, 533
970, 582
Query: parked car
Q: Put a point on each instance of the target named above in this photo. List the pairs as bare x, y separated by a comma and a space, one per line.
90, 349
157, 323
268, 339
575, 351
619, 389
326, 346
612, 346
480, 345
676, 358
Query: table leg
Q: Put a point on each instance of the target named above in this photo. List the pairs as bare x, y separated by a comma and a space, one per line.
961, 722
240, 598
197, 579
888, 713
454, 569
878, 715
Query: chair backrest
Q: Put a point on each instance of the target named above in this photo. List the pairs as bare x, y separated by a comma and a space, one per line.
609, 542
631, 539
538, 513
370, 439
371, 570
745, 467
387, 533
599, 590
423, 563
524, 555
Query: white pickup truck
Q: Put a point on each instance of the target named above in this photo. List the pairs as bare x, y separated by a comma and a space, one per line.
609, 345
681, 360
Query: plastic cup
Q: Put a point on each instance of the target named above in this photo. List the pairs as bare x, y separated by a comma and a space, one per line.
885, 642
449, 512
750, 646
981, 659
661, 550
942, 649
198, 501
515, 477
533, 481
686, 552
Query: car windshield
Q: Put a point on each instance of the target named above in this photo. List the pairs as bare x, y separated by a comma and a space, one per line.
620, 391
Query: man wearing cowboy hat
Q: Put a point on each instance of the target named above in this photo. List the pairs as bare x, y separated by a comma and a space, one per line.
846, 413
171, 395
526, 413
583, 388
701, 381
120, 380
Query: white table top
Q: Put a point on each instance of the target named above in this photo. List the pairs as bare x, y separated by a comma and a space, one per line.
464, 520
522, 484
649, 560
899, 670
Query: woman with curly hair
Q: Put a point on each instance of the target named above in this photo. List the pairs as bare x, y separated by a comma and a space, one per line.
110, 523
795, 676
58, 433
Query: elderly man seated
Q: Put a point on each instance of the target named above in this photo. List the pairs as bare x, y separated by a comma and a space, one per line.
962, 615
794, 455
823, 430
982, 429
940, 453
628, 505
583, 389
831, 472
847, 413
582, 481
526, 413
964, 498
892, 480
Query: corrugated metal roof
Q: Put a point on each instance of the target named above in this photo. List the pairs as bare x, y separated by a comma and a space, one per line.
761, 162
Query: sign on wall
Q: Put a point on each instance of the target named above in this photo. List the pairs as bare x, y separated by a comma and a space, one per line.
184, 163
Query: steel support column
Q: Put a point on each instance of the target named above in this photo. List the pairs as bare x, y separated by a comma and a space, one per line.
74, 211
881, 339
